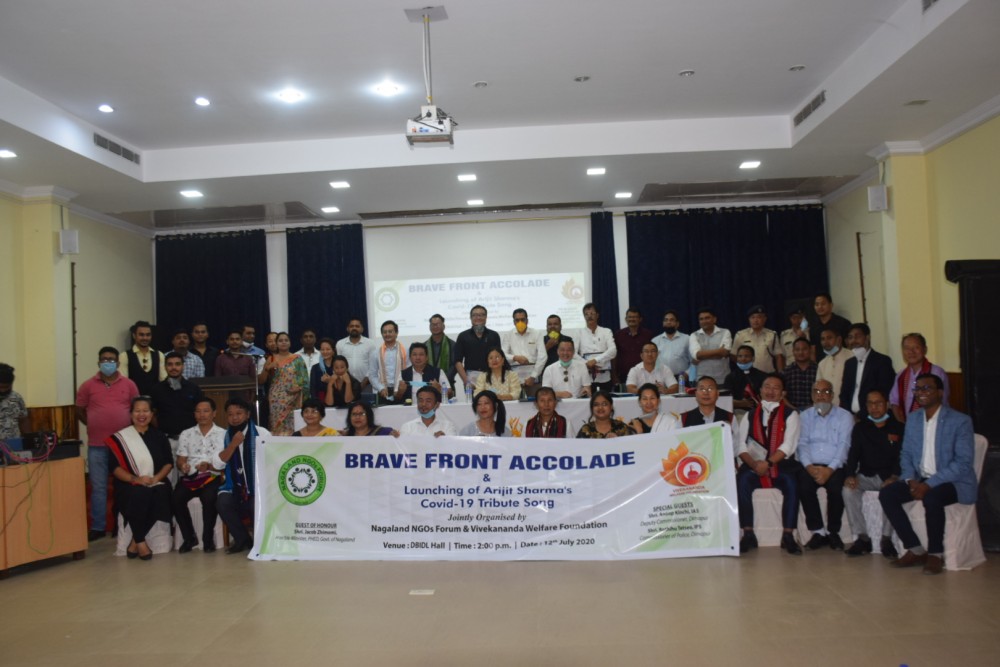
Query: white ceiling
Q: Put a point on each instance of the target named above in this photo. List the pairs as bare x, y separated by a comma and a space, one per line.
529, 135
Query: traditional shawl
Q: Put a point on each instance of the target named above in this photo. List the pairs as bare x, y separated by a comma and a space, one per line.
771, 438
557, 428
131, 451
904, 382
400, 364
443, 360
240, 467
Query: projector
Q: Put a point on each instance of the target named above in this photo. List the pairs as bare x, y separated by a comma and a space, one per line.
432, 126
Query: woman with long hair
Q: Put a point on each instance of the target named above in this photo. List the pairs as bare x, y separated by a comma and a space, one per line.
491, 417
289, 381
602, 422
499, 378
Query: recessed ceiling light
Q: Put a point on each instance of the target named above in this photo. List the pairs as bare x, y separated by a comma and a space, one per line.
475, 202
623, 195
581, 79
796, 68
330, 209
480, 84
202, 101
290, 95
750, 164
339, 185
387, 88
191, 194
686, 72
5, 153
466, 177
106, 108
596, 171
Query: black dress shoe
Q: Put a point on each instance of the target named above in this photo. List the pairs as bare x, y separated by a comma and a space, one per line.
789, 544
95, 535
836, 543
187, 546
748, 542
208, 547
817, 541
861, 546
239, 547
888, 548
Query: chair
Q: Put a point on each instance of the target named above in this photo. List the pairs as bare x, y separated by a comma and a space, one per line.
158, 538
194, 506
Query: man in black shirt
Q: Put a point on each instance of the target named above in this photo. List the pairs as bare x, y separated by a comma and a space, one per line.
872, 463
174, 400
473, 345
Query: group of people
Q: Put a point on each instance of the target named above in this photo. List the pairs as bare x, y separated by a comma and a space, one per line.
797, 425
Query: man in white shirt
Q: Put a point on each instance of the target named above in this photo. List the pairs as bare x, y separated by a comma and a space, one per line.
386, 363
710, 347
649, 371
597, 347
765, 447
673, 345
357, 350
199, 446
525, 349
429, 422
568, 377
309, 353
831, 367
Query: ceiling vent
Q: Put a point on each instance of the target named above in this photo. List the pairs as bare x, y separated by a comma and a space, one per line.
467, 210
116, 148
807, 111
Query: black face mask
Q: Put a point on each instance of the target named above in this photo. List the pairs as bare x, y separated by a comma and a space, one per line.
237, 429
670, 331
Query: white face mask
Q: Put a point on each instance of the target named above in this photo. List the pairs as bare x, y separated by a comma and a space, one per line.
859, 352
769, 405
823, 408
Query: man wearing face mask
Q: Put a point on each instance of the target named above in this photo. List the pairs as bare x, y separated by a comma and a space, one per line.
673, 346
429, 421
824, 440
569, 377
872, 464
831, 366
865, 371
525, 349
103, 405
766, 449
744, 380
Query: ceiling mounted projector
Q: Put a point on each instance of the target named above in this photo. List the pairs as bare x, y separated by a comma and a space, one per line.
433, 125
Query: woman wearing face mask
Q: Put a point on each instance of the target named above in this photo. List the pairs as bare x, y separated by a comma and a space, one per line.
602, 423
140, 462
650, 420
491, 417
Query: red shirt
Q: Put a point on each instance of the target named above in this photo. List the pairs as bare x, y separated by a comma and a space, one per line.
629, 349
108, 406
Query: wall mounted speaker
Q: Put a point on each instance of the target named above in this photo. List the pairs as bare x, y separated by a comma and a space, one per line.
878, 198
69, 242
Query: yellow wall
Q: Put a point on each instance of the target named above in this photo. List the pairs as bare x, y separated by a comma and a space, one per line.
114, 287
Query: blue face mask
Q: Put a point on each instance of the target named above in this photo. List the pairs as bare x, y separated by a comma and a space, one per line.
880, 419
428, 415
745, 367
832, 351
109, 367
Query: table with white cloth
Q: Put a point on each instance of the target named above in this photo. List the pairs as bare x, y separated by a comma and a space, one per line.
575, 410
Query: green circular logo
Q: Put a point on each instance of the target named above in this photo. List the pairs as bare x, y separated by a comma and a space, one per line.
387, 299
302, 480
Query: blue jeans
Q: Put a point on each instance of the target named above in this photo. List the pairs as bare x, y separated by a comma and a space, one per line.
97, 467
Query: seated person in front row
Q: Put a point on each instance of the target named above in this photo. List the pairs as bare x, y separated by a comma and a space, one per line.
491, 416
547, 423
872, 464
766, 447
420, 373
236, 496
499, 377
569, 377
361, 421
602, 422
649, 372
824, 440
197, 455
744, 380
706, 394
650, 420
313, 412
937, 467
429, 422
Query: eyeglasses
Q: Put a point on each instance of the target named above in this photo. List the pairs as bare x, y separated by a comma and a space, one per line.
825, 392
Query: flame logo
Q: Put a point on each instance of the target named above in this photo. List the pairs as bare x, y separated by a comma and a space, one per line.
571, 290
682, 468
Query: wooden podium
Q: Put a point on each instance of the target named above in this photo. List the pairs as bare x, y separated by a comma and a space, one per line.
220, 389
44, 509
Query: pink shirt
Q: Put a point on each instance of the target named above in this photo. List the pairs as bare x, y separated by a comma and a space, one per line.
108, 406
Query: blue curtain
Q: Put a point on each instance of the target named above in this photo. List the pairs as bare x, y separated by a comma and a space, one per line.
326, 279
602, 254
729, 259
219, 279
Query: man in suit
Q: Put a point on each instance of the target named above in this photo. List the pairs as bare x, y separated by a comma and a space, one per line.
867, 371
936, 467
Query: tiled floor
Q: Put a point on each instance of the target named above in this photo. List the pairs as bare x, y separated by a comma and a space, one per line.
764, 609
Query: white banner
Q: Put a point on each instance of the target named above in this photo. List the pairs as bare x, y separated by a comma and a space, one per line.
661, 495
